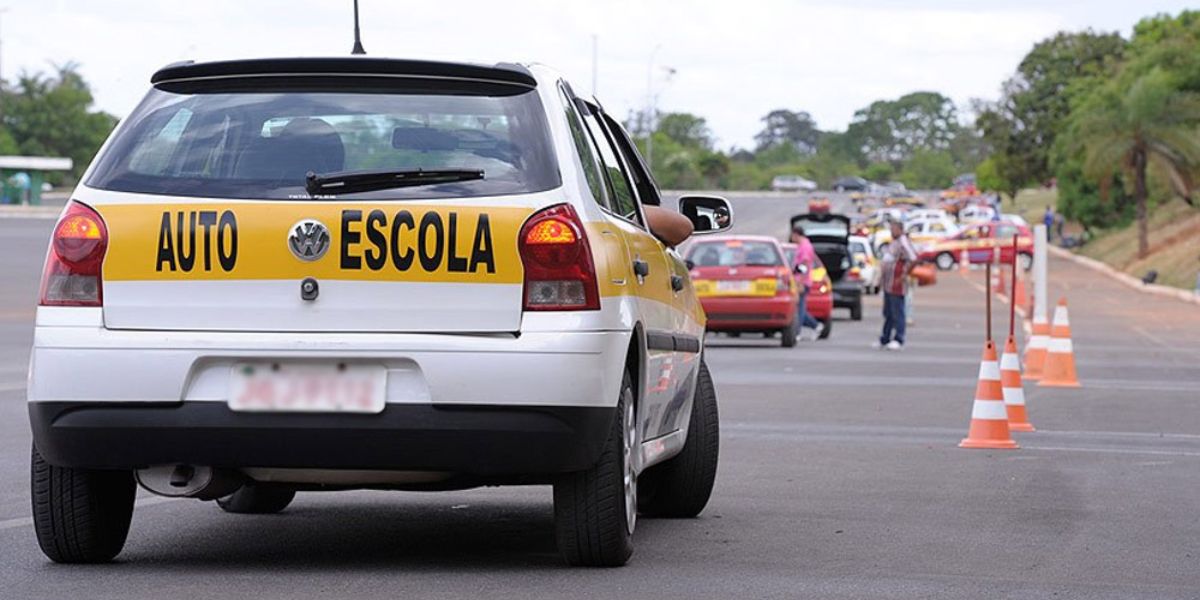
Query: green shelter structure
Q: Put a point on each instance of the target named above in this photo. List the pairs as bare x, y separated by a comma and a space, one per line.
21, 177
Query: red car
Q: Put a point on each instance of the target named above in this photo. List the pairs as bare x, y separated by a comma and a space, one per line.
820, 295
745, 285
982, 241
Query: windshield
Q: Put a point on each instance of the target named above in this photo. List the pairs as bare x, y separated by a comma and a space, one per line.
262, 145
735, 253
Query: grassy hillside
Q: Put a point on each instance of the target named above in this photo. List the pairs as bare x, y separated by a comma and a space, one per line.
1174, 239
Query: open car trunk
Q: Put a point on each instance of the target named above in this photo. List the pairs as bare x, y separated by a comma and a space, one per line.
830, 237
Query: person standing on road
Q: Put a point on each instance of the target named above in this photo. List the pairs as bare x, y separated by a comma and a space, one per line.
802, 268
898, 259
1048, 221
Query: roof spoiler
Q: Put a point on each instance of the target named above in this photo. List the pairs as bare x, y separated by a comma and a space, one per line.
357, 66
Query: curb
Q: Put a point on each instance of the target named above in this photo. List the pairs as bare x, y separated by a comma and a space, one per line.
29, 212
1128, 280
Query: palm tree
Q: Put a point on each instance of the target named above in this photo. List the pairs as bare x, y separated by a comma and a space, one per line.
1149, 124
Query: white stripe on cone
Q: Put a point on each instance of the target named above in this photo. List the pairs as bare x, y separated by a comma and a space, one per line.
1014, 396
1060, 316
1039, 341
1009, 362
1061, 345
989, 410
989, 371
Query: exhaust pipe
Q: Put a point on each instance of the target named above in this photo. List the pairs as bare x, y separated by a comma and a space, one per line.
189, 481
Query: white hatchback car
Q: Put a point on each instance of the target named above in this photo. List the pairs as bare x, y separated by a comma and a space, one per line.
322, 274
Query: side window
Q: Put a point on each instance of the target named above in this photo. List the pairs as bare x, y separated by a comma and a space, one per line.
647, 189
623, 201
584, 148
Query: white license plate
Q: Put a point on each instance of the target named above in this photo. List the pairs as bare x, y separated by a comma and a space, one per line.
733, 286
303, 386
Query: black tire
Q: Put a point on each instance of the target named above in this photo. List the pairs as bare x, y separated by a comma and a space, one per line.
80, 515
257, 499
856, 311
680, 487
945, 261
591, 522
828, 323
788, 334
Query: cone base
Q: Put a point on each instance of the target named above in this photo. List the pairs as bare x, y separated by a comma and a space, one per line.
1021, 427
988, 444
1051, 383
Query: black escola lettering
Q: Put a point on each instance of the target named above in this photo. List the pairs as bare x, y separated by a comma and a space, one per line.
227, 222
208, 218
454, 262
402, 262
350, 238
376, 257
481, 249
187, 259
166, 248
430, 260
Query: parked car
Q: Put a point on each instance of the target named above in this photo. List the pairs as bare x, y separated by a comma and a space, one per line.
850, 184
745, 286
819, 302
864, 257
830, 237
983, 243
927, 231
976, 213
793, 183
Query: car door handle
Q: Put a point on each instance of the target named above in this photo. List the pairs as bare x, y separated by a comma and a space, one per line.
677, 282
641, 268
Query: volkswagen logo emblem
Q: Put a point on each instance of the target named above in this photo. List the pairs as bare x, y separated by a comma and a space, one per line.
309, 240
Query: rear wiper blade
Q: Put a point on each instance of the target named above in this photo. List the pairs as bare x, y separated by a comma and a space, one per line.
349, 182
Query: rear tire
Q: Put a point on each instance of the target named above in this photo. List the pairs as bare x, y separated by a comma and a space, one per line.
257, 499
80, 515
788, 334
595, 511
825, 331
856, 311
945, 261
682, 486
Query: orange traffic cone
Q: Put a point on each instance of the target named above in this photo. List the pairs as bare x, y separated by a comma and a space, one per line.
1014, 390
1035, 351
989, 418
1060, 354
998, 279
964, 262
1019, 294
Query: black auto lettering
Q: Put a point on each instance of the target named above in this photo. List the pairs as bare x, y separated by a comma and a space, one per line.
376, 257
349, 238
228, 222
454, 262
187, 259
430, 260
481, 252
166, 248
208, 218
402, 262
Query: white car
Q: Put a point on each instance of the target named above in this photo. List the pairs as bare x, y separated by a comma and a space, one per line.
920, 214
976, 213
338, 273
863, 255
1014, 219
793, 183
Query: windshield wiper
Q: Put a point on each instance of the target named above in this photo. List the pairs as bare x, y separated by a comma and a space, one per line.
349, 182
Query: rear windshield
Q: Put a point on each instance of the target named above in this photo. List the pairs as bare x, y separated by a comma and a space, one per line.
261, 145
735, 253
832, 228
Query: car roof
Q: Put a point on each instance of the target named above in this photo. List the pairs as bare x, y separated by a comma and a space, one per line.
738, 238
188, 71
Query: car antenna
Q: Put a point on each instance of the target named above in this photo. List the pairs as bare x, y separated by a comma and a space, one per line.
358, 47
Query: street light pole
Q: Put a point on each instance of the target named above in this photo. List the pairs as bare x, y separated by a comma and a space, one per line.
650, 108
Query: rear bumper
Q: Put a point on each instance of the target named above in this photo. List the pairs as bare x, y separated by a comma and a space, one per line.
820, 306
847, 295
465, 439
749, 314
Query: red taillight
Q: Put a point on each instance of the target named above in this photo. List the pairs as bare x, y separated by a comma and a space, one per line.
72, 273
854, 274
559, 272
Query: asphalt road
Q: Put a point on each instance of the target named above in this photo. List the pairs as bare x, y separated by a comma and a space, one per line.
839, 478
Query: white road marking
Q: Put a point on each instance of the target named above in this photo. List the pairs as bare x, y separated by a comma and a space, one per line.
24, 521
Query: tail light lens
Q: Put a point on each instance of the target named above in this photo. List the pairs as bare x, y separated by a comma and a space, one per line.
559, 272
783, 282
854, 274
72, 273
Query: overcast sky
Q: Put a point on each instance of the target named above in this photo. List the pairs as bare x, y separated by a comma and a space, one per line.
734, 60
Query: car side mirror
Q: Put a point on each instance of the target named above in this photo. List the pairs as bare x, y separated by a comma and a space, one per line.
708, 214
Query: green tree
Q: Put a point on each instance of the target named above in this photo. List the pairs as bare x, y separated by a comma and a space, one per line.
1131, 128
928, 169
786, 127
895, 130
53, 116
687, 130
